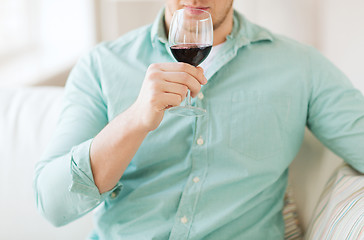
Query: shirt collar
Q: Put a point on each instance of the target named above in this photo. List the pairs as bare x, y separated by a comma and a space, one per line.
244, 32
158, 32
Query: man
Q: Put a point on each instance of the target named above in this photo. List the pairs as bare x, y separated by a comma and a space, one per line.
221, 176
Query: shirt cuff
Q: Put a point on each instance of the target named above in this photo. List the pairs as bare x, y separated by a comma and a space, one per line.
81, 174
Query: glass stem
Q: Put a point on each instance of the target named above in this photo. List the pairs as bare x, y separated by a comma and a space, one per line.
188, 99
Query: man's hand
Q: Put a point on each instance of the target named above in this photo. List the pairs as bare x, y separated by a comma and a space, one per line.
165, 85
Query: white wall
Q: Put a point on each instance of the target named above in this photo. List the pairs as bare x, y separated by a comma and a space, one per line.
61, 31
342, 36
296, 19
66, 28
118, 17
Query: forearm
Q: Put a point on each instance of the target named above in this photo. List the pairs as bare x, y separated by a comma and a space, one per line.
114, 147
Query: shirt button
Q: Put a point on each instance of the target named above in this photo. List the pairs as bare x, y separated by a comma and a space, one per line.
196, 180
200, 95
113, 195
184, 220
200, 141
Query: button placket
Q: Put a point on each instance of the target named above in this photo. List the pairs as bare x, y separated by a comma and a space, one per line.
191, 193
199, 100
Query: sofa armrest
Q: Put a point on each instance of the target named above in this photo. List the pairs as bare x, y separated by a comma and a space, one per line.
28, 117
339, 213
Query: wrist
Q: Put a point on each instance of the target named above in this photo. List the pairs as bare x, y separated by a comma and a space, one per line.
137, 119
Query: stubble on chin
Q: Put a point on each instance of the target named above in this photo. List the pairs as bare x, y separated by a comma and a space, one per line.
220, 21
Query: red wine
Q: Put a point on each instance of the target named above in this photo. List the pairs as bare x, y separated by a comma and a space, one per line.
190, 53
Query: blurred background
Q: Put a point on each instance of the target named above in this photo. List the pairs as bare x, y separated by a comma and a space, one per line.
40, 40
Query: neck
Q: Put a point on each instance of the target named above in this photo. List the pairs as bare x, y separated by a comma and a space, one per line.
220, 32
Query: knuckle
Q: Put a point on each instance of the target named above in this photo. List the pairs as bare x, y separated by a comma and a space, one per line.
151, 89
150, 68
153, 66
154, 75
154, 87
183, 66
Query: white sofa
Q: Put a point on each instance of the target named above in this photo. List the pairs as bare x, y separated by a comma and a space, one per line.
27, 119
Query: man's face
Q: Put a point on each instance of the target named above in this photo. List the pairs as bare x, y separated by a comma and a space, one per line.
218, 9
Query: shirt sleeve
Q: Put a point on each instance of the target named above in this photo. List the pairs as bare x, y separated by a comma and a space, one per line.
336, 111
64, 186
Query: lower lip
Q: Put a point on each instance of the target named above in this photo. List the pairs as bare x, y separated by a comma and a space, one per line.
195, 10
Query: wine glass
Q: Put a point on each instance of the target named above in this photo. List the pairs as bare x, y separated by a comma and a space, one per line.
190, 40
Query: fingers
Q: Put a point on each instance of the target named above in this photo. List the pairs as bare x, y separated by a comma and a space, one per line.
176, 88
181, 73
184, 79
165, 85
168, 100
195, 72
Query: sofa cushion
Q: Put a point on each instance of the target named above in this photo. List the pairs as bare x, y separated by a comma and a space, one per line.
292, 225
28, 117
340, 211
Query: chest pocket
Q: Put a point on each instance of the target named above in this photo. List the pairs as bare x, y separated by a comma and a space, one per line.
257, 124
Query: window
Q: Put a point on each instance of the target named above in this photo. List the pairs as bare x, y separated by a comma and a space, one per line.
16, 27
40, 39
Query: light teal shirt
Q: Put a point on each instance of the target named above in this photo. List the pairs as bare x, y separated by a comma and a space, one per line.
221, 176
